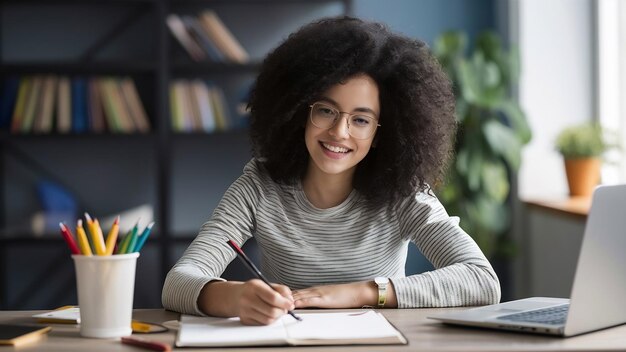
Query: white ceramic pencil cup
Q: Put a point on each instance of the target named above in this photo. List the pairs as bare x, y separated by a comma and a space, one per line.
105, 286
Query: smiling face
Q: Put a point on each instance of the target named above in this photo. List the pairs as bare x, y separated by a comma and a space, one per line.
333, 151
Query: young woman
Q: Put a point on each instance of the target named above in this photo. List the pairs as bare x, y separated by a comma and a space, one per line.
350, 125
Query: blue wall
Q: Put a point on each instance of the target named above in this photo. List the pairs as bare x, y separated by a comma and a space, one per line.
425, 19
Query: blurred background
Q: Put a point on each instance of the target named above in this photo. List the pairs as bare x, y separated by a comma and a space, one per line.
137, 107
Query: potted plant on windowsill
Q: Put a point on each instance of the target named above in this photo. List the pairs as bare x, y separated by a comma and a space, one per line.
582, 147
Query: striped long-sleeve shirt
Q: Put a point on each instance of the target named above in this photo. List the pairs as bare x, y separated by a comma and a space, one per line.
303, 246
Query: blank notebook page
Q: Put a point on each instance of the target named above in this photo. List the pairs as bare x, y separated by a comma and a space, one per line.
357, 325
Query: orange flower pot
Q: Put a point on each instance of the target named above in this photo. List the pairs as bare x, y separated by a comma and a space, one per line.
583, 175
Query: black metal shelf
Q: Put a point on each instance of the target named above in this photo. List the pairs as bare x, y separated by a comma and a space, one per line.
28, 240
51, 238
208, 67
69, 67
156, 73
8, 137
69, 2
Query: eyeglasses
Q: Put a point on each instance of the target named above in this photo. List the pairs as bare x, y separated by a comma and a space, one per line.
360, 125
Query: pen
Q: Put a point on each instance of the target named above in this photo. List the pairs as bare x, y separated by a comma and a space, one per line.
67, 235
112, 236
141, 240
151, 345
96, 235
83, 242
254, 270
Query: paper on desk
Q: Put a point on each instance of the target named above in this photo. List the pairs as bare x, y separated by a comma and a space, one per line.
63, 315
357, 325
210, 331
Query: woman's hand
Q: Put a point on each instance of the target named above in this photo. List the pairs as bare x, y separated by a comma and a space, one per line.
252, 301
259, 304
351, 295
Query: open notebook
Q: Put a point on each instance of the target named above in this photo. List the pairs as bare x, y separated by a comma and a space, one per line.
347, 328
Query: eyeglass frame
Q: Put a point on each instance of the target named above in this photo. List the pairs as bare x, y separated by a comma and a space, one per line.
341, 113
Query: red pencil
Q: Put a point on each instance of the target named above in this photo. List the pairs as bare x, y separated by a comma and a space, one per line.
69, 238
151, 345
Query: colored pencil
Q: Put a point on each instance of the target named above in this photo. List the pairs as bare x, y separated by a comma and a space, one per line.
112, 236
69, 238
148, 344
141, 240
121, 247
132, 242
83, 242
96, 235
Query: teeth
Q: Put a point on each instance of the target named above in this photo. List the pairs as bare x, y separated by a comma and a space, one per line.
332, 148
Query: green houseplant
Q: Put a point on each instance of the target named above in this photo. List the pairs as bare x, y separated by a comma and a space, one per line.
492, 129
582, 147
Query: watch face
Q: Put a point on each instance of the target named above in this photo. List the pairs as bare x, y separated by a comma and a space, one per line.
381, 280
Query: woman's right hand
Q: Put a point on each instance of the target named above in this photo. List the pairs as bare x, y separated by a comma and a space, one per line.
252, 301
258, 304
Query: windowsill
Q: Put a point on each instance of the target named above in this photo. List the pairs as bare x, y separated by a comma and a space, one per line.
571, 206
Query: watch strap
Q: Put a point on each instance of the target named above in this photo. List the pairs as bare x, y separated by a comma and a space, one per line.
382, 294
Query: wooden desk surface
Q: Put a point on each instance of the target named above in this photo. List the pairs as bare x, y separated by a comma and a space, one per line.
423, 335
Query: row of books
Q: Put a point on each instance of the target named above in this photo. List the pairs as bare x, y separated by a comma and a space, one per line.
199, 106
48, 103
205, 37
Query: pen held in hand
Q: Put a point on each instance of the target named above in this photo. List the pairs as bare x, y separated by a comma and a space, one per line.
254, 270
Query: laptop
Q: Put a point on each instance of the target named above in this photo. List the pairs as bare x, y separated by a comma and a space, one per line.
598, 297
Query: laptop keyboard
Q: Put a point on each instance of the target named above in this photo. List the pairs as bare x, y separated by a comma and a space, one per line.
552, 316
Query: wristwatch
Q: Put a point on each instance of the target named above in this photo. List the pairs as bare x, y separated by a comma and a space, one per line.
382, 283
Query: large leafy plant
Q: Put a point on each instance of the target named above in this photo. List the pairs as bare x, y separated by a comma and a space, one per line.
492, 129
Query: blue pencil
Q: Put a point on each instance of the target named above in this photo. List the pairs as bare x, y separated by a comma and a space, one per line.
141, 240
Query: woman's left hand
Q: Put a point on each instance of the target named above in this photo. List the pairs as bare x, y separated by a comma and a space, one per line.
352, 295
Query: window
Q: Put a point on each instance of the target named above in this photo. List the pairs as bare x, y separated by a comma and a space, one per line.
611, 60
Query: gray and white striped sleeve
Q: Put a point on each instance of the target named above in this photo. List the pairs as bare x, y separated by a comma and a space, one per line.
462, 275
208, 255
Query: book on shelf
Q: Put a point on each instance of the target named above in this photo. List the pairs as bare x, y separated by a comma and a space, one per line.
206, 37
207, 116
133, 102
64, 106
195, 30
96, 109
194, 109
43, 120
8, 98
80, 120
175, 110
178, 107
178, 29
31, 105
223, 37
315, 329
116, 111
198, 106
44, 104
222, 118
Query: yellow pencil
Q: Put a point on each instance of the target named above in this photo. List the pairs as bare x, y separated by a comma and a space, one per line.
96, 236
112, 236
83, 242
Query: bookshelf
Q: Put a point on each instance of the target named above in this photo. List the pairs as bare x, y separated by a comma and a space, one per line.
181, 175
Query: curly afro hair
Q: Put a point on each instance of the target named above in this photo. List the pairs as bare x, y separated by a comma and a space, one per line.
415, 140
